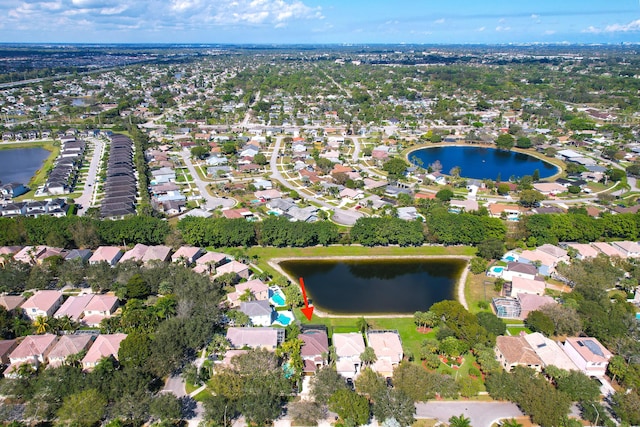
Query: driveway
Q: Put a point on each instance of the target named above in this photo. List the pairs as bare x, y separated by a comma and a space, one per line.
175, 385
482, 414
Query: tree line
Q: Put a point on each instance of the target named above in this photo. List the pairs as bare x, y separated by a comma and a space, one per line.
580, 227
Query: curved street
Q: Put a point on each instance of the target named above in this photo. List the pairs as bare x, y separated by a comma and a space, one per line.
341, 216
211, 202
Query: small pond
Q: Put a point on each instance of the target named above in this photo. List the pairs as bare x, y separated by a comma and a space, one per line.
482, 162
20, 164
380, 285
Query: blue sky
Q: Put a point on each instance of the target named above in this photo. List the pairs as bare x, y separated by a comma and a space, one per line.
320, 21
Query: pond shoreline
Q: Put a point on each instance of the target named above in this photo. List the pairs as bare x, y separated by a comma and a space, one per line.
459, 286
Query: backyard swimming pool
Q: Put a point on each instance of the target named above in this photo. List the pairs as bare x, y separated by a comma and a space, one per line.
284, 318
276, 296
495, 271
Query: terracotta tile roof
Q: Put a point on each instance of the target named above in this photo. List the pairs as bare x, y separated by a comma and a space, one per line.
33, 346
315, 343
517, 351
104, 346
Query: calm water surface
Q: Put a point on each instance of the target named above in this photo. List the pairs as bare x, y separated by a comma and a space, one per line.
20, 164
377, 286
484, 163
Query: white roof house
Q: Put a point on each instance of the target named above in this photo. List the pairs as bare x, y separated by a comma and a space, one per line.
349, 347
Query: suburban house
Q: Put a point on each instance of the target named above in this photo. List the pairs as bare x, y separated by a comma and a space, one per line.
156, 253
266, 338
11, 302
258, 291
260, 312
82, 254
33, 350
583, 250
498, 210
549, 351
100, 307
519, 269
349, 347
629, 249
109, 254
388, 349
104, 346
520, 285
6, 347
187, 253
607, 249
66, 346
591, 357
73, 307
314, 351
135, 254
547, 262
549, 188
531, 302
42, 303
236, 267
209, 262
515, 351
29, 254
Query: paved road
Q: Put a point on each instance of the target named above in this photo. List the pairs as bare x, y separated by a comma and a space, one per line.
372, 174
211, 202
175, 385
86, 198
482, 414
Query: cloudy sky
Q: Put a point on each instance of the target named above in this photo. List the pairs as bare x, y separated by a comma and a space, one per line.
319, 21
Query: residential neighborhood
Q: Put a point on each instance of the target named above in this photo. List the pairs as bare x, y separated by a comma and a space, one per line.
146, 266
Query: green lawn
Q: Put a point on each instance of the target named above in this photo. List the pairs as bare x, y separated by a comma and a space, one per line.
513, 331
265, 254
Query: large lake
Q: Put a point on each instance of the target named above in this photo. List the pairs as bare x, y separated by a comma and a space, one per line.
377, 285
20, 164
483, 163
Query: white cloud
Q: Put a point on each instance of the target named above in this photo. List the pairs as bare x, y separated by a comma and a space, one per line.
481, 29
549, 32
439, 21
633, 26
262, 11
500, 28
167, 15
534, 16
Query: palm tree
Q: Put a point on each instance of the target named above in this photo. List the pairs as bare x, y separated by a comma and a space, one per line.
362, 325
41, 325
459, 421
511, 423
368, 356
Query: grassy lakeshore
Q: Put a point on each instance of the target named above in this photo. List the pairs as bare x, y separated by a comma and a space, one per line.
264, 255
266, 258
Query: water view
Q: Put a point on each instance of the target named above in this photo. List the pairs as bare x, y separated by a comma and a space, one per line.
482, 162
377, 286
20, 164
